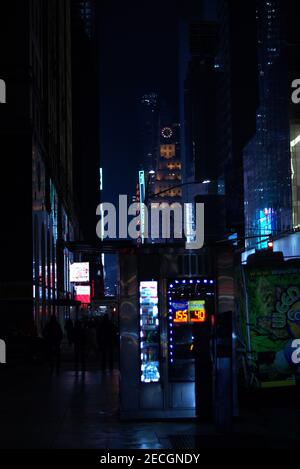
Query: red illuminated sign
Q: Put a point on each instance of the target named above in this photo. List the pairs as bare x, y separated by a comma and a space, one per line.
83, 293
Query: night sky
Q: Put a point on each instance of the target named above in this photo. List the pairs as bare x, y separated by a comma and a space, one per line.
139, 54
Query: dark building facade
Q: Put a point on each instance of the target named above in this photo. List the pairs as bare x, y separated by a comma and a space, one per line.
236, 65
149, 116
88, 178
218, 89
85, 117
37, 193
199, 124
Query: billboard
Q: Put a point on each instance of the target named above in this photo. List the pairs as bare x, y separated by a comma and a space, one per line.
83, 293
79, 272
270, 321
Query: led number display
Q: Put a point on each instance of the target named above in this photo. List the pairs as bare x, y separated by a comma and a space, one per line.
194, 312
197, 311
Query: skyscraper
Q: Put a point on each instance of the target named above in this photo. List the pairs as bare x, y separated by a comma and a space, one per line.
149, 115
267, 178
199, 124
85, 90
218, 89
236, 67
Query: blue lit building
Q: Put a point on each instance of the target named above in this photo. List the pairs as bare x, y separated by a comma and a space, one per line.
267, 157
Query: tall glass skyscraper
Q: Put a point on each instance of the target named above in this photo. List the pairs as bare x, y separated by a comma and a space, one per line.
267, 157
149, 115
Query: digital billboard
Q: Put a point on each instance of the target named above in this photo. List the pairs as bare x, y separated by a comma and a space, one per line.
83, 293
79, 272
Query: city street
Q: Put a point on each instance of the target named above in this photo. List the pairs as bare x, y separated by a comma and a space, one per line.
150, 226
80, 410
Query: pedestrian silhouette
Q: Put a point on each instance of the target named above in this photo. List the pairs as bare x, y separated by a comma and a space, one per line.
91, 336
80, 344
69, 328
53, 336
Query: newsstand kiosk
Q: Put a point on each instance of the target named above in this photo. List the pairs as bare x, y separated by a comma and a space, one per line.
166, 328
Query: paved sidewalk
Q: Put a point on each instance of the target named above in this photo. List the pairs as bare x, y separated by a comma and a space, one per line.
72, 410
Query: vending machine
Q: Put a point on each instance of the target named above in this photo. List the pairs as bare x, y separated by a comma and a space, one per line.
149, 332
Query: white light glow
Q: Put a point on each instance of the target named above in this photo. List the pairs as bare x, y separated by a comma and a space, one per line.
295, 141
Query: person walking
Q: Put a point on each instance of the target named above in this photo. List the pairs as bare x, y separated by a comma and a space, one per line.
80, 343
53, 336
69, 328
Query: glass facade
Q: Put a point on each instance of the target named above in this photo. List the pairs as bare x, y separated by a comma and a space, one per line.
267, 168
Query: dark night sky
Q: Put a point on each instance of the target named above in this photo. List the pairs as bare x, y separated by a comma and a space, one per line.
139, 53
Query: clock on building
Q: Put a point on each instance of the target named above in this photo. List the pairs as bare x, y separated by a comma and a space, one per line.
167, 132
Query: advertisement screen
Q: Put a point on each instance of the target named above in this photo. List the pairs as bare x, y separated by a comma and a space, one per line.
149, 332
274, 323
79, 272
83, 293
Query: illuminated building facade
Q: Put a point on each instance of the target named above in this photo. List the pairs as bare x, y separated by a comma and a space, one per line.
168, 166
271, 159
167, 183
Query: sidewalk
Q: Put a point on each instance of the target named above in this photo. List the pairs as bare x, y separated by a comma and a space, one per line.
73, 411
81, 411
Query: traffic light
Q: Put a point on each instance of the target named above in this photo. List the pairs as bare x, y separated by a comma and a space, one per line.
270, 244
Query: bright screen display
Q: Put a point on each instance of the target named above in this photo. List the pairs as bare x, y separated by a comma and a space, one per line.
80, 272
149, 332
83, 293
189, 312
